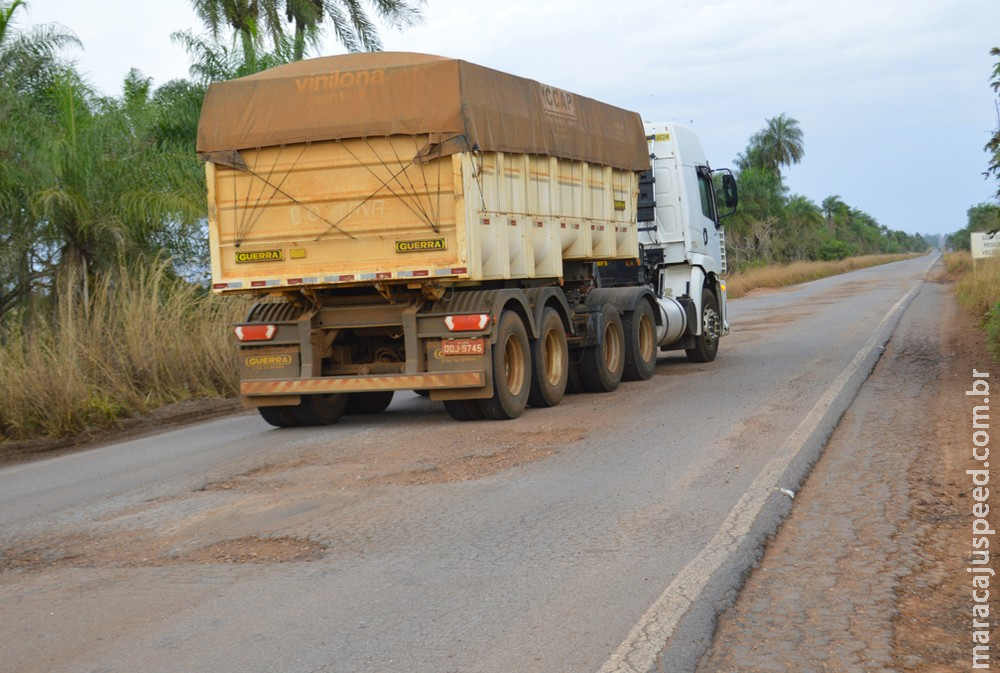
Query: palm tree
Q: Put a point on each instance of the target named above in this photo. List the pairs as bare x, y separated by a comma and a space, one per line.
251, 20
762, 201
350, 23
778, 144
112, 190
803, 212
6, 17
23, 54
834, 210
213, 61
802, 230
992, 148
242, 16
28, 68
306, 15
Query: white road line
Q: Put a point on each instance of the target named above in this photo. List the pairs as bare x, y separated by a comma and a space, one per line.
638, 652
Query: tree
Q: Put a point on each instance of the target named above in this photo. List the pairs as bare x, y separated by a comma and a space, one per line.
212, 61
22, 55
252, 20
28, 69
992, 148
86, 181
981, 217
803, 228
835, 211
243, 17
770, 226
779, 143
112, 190
762, 202
865, 232
6, 17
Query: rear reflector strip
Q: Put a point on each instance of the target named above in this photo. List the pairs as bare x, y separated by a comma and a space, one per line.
344, 278
256, 332
474, 322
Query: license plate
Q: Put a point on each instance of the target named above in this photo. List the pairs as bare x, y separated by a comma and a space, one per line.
463, 346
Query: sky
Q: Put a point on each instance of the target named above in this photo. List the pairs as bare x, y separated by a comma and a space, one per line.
892, 96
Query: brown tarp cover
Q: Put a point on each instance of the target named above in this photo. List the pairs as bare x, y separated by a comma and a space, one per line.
461, 105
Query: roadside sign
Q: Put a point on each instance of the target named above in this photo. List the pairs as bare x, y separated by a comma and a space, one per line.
985, 245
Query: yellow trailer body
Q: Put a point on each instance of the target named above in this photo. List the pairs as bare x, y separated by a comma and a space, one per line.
365, 210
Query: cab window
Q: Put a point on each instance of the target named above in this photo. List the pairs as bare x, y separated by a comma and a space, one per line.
706, 193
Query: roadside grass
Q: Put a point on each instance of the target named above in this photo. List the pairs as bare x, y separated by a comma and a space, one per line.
978, 290
144, 341
743, 281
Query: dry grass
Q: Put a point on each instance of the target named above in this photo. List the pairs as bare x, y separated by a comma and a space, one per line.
978, 281
978, 289
145, 341
742, 282
957, 263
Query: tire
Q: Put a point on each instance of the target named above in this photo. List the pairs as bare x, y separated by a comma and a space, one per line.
369, 403
602, 364
706, 344
320, 409
640, 343
279, 417
549, 362
511, 370
464, 410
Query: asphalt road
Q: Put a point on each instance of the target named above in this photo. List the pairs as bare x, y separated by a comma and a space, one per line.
600, 535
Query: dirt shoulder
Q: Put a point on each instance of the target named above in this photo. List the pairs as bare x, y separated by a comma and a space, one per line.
868, 573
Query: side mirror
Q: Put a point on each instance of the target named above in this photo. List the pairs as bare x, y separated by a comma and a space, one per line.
730, 196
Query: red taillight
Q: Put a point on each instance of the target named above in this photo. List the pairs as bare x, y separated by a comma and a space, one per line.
256, 332
467, 323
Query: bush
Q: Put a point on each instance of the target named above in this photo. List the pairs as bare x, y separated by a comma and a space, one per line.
958, 263
145, 340
832, 249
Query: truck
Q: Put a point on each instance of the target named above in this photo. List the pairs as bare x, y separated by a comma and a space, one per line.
408, 222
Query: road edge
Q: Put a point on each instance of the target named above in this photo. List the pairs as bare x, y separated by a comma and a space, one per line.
677, 629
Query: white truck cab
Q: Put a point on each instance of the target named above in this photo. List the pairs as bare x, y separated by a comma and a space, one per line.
682, 238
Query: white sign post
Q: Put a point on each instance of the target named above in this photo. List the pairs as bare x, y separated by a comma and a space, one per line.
985, 245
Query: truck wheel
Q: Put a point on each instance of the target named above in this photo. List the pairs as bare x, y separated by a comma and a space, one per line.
640, 343
549, 362
602, 364
279, 417
320, 409
511, 370
464, 410
369, 403
706, 344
